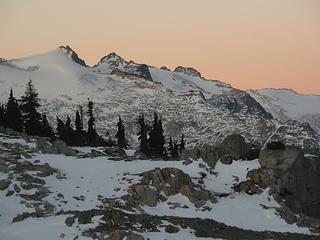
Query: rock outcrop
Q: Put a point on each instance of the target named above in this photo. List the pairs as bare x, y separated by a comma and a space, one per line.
233, 147
57, 147
169, 181
291, 176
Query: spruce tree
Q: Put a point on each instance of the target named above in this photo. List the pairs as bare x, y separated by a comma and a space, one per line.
29, 107
79, 136
13, 115
69, 132
2, 115
143, 130
121, 137
156, 137
91, 134
46, 129
182, 144
170, 148
61, 132
175, 151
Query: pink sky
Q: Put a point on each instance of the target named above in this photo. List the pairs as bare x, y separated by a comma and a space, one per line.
248, 43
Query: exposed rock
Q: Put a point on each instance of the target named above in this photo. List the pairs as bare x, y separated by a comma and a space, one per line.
16, 188
70, 221
200, 204
247, 187
188, 71
210, 154
146, 195
62, 148
57, 147
233, 147
170, 181
237, 101
4, 184
227, 160
165, 68
292, 177
172, 229
9, 193
121, 235
187, 162
236, 146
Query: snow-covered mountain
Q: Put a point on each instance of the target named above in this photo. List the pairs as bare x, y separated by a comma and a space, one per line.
287, 104
205, 110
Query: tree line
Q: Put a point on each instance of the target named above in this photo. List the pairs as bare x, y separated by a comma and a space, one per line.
23, 115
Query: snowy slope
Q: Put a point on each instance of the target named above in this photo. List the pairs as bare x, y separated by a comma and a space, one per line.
181, 82
205, 110
85, 181
288, 104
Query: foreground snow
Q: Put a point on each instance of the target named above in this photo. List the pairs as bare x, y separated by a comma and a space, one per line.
83, 181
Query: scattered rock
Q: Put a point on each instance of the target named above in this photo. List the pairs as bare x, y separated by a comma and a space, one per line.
4, 184
247, 187
227, 160
9, 193
172, 229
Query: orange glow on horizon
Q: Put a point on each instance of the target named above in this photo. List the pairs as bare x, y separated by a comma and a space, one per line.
249, 43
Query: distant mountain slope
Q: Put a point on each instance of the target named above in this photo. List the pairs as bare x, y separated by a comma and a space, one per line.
287, 104
205, 110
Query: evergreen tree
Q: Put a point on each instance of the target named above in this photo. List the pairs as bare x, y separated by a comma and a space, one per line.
2, 115
79, 133
143, 130
156, 137
170, 148
175, 152
13, 115
182, 144
61, 132
161, 139
69, 132
29, 107
91, 134
46, 129
121, 137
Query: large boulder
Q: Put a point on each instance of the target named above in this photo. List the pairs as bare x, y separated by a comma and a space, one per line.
169, 181
236, 146
233, 147
4, 184
57, 147
210, 154
292, 177
62, 148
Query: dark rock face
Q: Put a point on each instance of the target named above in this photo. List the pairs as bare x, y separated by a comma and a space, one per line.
233, 147
188, 71
292, 177
236, 146
74, 56
237, 101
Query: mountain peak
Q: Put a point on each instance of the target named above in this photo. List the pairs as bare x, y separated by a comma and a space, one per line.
74, 56
188, 71
112, 57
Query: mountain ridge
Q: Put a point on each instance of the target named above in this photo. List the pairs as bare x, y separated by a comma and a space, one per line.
206, 109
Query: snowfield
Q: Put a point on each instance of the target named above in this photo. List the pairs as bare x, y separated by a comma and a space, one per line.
83, 181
